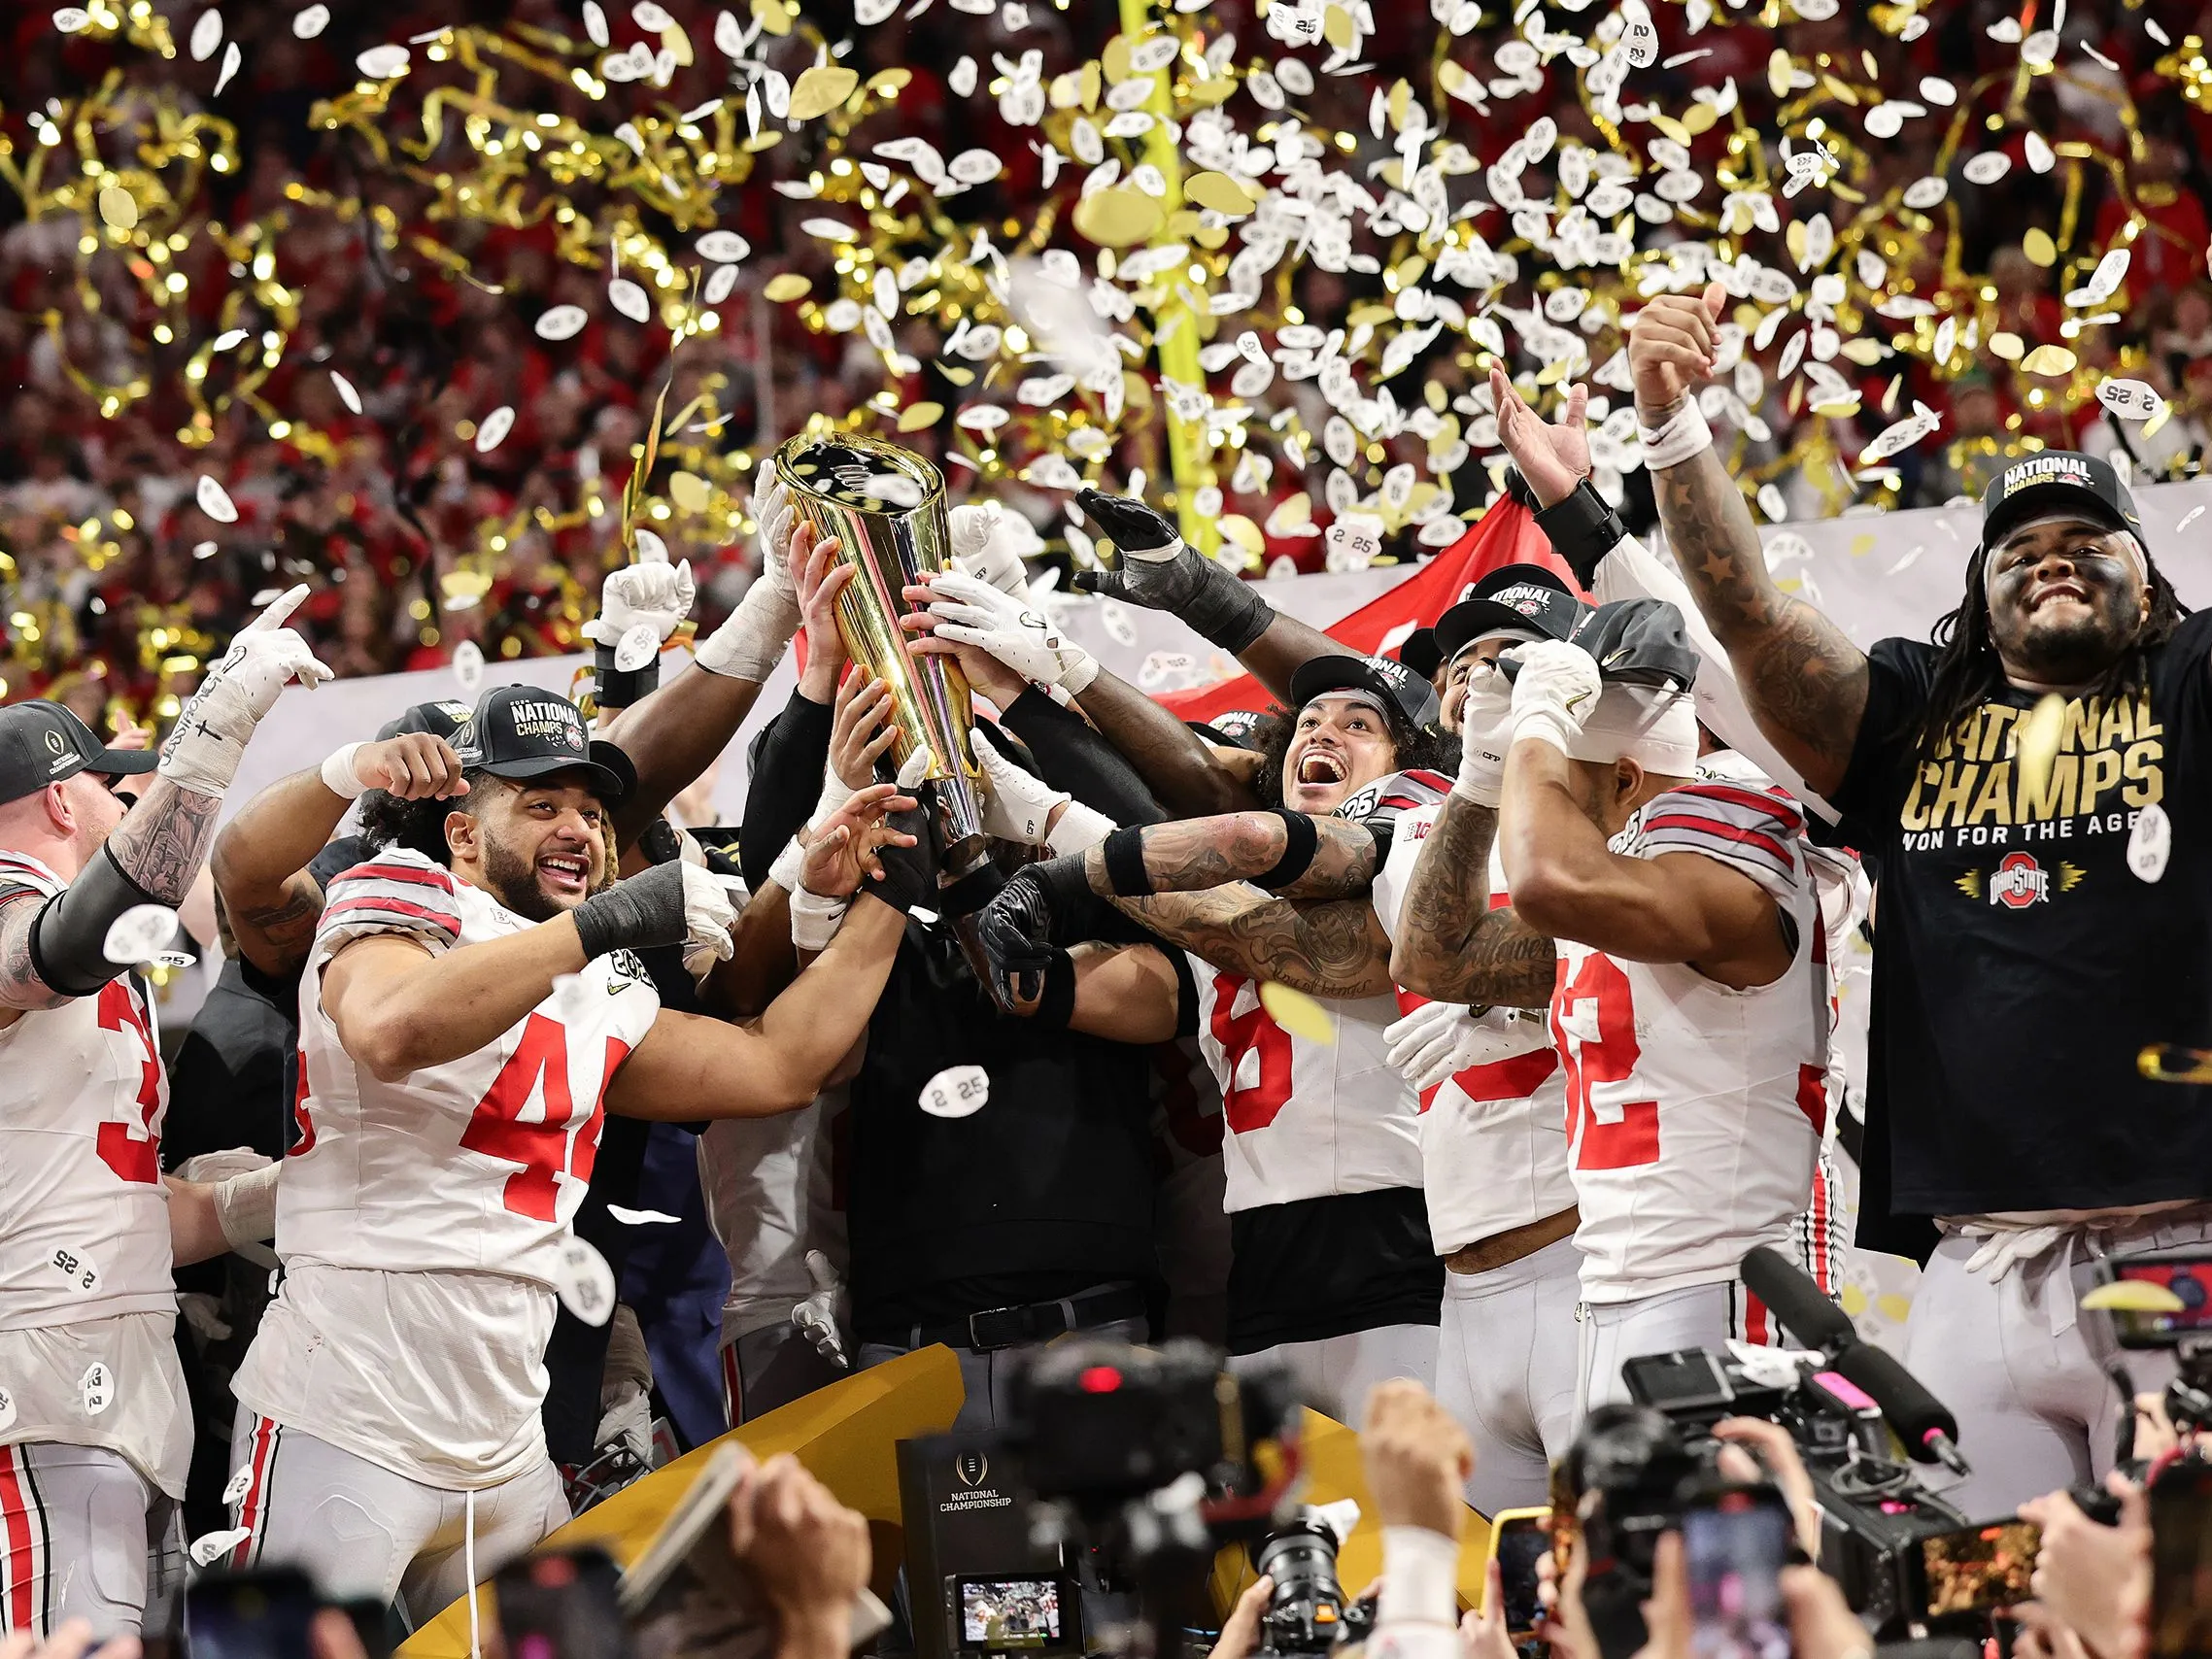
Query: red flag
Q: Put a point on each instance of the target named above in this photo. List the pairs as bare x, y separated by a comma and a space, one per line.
1505, 534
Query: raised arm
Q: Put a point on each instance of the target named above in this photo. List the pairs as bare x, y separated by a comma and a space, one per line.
1290, 854
1452, 946
1177, 764
1805, 680
689, 1068
1335, 948
262, 855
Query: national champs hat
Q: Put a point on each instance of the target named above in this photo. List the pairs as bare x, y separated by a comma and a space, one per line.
1386, 679
1640, 642
2054, 482
1420, 652
42, 743
1236, 730
521, 732
1525, 599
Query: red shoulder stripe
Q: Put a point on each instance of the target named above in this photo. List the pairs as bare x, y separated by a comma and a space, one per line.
1434, 780
418, 874
1726, 832
1776, 804
445, 924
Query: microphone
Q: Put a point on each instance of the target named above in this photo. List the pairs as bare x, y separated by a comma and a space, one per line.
1928, 1430
1793, 1297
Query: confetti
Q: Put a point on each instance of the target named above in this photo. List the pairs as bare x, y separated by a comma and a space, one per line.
69, 20
310, 22
468, 666
562, 323
206, 36
2036, 745
96, 1388
242, 1479
118, 208
215, 501
638, 645
1987, 167
210, 1547
231, 58
134, 936
821, 89
75, 1265
583, 1280
2129, 399
627, 297
347, 395
494, 427
1297, 1014
957, 1092
642, 1217
2150, 842
720, 285
383, 62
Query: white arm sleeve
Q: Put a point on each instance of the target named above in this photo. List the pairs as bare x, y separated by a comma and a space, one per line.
1632, 571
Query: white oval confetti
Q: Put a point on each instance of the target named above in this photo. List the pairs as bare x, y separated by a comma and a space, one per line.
208, 1546
468, 665
70, 19
639, 646
640, 1217
914, 770
311, 22
231, 60
1772, 504
2149, 843
596, 24
563, 322
649, 16
96, 1388
242, 1482
207, 35
719, 285
723, 247
7, 1411
1987, 167
496, 428
381, 62
137, 933
583, 1280
2040, 157
347, 395
975, 166
957, 1092
75, 1265
627, 297
2129, 399
215, 501
1926, 192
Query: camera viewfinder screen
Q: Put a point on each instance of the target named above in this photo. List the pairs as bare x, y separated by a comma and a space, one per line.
1975, 1569
2190, 1281
999, 1616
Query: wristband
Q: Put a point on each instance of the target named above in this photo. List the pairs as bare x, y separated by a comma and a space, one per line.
1582, 529
815, 919
338, 775
1056, 1003
969, 893
1081, 829
789, 865
1300, 841
1421, 1571
1684, 434
1076, 677
1126, 874
620, 688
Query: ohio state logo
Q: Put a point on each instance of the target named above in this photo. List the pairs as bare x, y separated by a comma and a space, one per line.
2019, 881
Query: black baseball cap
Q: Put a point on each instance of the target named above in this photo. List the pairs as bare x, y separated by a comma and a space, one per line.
1239, 728
439, 719
1640, 642
2056, 481
1383, 678
42, 743
1420, 652
521, 732
1526, 598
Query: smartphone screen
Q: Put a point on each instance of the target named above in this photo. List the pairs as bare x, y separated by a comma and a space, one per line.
1001, 1615
1734, 1551
2181, 1563
262, 1614
1523, 1541
560, 1605
1978, 1570
2189, 1281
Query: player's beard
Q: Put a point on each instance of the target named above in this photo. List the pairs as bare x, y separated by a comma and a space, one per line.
513, 881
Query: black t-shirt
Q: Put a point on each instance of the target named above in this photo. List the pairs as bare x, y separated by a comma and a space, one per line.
1326, 1267
1047, 1189
2020, 966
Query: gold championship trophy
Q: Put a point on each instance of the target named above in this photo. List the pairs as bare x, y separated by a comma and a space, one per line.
886, 507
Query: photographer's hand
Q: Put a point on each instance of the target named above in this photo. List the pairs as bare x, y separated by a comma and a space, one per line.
1821, 1624
1666, 1615
809, 1551
1758, 1441
1483, 1632
2096, 1578
1418, 1459
1240, 1632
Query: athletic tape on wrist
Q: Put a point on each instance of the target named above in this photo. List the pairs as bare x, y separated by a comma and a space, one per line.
620, 688
1685, 436
1300, 841
1125, 868
339, 777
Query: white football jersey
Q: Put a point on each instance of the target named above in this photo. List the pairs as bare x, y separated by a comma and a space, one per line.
1309, 1119
1493, 1137
463, 1176
1695, 1111
84, 1215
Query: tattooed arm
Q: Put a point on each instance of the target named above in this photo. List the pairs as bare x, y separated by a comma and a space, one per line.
1805, 680
1333, 949
1193, 854
1451, 946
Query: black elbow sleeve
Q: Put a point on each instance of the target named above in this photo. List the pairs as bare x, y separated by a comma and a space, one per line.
69, 936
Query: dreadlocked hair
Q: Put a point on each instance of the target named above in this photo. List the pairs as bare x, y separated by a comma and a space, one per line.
1968, 673
419, 826
1416, 747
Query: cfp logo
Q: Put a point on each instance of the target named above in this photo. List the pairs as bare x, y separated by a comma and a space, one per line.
59, 747
969, 1467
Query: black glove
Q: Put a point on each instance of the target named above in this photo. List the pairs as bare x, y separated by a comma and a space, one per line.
1015, 928
1160, 572
910, 874
637, 913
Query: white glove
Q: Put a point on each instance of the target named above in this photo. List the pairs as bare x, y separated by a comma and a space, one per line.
821, 1315
1555, 690
1442, 1040
211, 734
700, 955
751, 643
1015, 802
652, 591
988, 543
627, 1421
1486, 734
710, 911
970, 611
